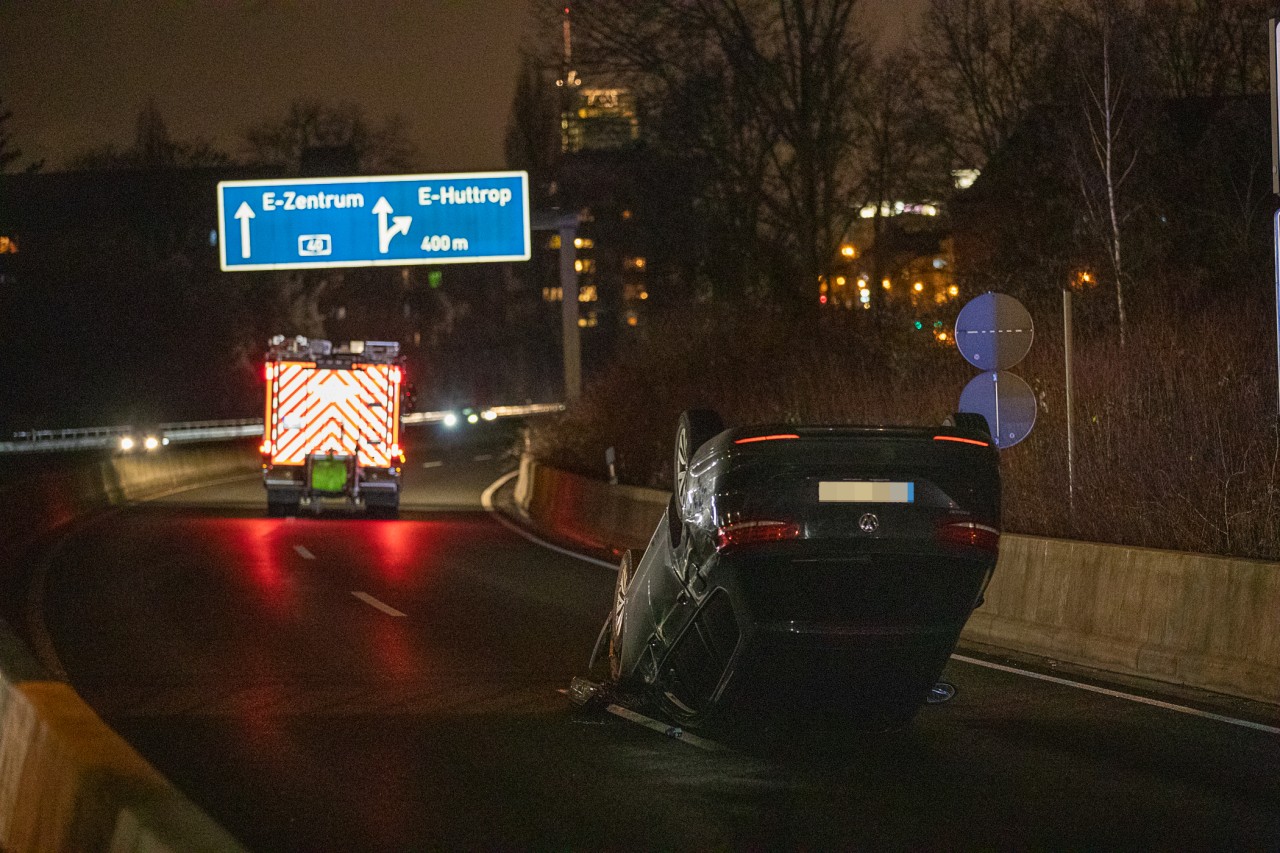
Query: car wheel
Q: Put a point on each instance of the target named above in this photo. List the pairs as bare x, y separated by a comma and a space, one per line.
695, 428
617, 616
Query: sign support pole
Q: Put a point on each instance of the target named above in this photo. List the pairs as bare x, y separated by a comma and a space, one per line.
1274, 61
1066, 354
569, 332
566, 225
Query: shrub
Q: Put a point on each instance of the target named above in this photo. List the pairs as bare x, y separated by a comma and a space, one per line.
1175, 445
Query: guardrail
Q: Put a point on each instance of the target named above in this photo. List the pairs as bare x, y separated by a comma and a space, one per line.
97, 438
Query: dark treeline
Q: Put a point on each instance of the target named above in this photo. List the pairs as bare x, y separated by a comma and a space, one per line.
1127, 137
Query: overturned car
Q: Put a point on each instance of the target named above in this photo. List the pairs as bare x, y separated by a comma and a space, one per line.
824, 570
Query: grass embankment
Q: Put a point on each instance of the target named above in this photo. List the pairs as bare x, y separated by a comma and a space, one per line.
1174, 434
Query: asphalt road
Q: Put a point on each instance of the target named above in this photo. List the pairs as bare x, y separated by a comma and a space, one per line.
338, 683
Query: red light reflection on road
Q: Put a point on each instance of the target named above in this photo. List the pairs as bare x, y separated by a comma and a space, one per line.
257, 540
396, 656
398, 546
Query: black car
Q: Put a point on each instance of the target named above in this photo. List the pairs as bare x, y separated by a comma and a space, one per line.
820, 570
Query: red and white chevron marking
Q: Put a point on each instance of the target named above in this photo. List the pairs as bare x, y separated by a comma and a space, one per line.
317, 410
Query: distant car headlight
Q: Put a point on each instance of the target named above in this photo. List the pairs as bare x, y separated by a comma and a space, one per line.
151, 442
450, 420
126, 443
489, 415
473, 418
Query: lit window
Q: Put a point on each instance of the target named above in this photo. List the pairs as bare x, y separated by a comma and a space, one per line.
554, 242
552, 294
587, 293
583, 243
848, 251
634, 263
584, 265
8, 246
953, 290
886, 284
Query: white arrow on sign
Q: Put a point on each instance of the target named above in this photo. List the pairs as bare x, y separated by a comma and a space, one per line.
399, 224
244, 213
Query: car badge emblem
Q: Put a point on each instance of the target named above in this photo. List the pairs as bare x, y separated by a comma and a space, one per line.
869, 523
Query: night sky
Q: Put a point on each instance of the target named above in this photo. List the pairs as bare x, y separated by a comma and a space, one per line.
75, 73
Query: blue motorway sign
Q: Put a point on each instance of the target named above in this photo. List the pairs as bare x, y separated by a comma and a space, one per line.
385, 221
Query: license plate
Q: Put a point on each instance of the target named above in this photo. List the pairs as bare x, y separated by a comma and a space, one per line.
865, 492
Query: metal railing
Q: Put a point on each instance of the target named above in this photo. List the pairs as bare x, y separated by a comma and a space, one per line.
97, 438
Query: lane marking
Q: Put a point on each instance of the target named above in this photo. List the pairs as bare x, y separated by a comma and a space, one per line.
376, 604
673, 732
432, 464
483, 457
304, 553
1117, 694
486, 500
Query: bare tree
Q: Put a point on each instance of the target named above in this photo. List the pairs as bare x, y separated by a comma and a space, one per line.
311, 125
532, 142
9, 153
984, 63
1105, 36
762, 93
905, 144
803, 61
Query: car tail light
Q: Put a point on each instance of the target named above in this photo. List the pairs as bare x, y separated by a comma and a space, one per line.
740, 533
786, 436
960, 440
969, 535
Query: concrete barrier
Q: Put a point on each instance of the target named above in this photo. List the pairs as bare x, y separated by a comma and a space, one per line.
67, 782
1191, 619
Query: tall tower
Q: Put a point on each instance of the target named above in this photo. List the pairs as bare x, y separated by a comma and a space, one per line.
592, 118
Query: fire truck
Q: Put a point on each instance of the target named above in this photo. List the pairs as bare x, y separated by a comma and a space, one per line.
332, 425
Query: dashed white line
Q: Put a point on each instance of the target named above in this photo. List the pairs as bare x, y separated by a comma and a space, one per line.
304, 553
483, 457
434, 464
1117, 694
376, 604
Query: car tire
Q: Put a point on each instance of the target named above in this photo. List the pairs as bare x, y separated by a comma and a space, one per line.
617, 615
695, 428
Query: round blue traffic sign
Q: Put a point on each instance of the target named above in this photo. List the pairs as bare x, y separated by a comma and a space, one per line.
994, 331
1006, 401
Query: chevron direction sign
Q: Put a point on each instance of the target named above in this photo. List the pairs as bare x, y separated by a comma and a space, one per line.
399, 220
312, 409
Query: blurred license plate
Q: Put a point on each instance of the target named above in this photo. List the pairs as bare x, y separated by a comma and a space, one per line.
864, 492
